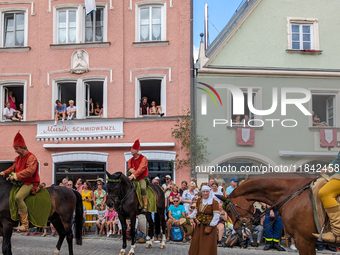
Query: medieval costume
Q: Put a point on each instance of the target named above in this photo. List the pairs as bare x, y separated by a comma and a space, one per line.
24, 169
328, 194
204, 240
140, 165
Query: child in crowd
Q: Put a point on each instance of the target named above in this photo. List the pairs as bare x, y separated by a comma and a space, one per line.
101, 218
191, 210
110, 217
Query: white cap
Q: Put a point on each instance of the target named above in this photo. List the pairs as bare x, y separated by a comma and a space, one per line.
168, 176
205, 187
156, 178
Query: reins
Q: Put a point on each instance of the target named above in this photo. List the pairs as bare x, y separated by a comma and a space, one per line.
277, 206
123, 200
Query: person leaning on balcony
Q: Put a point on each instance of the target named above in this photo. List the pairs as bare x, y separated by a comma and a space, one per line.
60, 111
317, 122
144, 106
9, 113
71, 110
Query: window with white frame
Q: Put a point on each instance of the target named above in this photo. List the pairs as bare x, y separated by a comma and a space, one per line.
151, 23
72, 25
303, 34
67, 26
154, 90
302, 37
14, 29
324, 109
88, 97
248, 115
94, 26
13, 93
94, 98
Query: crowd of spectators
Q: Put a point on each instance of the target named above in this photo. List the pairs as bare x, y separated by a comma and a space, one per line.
180, 203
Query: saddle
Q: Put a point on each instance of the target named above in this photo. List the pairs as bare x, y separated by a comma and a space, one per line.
38, 206
152, 206
318, 209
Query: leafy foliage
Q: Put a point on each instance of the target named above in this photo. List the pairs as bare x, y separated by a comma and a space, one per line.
194, 146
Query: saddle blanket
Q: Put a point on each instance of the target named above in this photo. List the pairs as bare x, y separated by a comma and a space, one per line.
38, 206
152, 207
318, 209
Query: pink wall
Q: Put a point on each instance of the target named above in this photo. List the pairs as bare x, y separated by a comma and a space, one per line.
121, 56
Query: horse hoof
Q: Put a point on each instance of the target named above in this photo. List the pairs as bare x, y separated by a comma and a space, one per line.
162, 247
149, 245
56, 252
121, 253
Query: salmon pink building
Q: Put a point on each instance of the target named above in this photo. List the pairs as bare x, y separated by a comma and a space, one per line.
105, 62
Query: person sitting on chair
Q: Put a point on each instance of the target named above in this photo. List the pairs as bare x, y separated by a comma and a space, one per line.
328, 194
24, 169
138, 167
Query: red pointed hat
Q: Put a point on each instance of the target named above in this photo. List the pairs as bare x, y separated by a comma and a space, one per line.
18, 140
136, 145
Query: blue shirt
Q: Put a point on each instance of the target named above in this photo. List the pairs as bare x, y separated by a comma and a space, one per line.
229, 190
62, 109
177, 212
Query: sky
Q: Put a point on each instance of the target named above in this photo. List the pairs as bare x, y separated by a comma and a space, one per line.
219, 11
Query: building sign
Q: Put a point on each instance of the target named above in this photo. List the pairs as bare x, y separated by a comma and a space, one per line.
80, 130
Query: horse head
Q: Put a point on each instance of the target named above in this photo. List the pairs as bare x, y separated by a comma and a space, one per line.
116, 184
240, 212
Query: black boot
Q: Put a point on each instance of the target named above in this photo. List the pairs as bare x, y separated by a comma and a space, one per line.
278, 247
268, 245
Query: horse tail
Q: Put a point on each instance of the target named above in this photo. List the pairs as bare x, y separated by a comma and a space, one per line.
79, 218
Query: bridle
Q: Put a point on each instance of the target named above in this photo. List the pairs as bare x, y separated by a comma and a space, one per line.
277, 206
116, 198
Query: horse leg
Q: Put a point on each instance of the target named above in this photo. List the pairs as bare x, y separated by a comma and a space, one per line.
160, 212
6, 241
150, 233
132, 233
305, 247
61, 231
124, 227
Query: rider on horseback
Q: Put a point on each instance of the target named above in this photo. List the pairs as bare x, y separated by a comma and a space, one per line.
328, 194
138, 167
24, 169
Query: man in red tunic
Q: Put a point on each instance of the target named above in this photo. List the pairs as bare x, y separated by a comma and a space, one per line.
138, 167
24, 169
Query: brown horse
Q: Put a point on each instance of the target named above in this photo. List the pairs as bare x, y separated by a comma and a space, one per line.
63, 203
122, 195
297, 213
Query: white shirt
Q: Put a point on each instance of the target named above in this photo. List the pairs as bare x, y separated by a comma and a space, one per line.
71, 108
217, 193
9, 112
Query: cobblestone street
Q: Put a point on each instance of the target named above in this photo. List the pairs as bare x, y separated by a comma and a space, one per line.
36, 245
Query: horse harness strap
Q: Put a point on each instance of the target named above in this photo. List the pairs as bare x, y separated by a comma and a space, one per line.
281, 203
123, 200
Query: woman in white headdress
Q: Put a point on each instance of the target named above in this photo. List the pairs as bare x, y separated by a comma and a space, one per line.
206, 216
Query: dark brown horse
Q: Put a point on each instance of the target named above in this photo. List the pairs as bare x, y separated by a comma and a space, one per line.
63, 203
297, 213
122, 195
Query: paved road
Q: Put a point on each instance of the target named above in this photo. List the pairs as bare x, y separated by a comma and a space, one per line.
36, 245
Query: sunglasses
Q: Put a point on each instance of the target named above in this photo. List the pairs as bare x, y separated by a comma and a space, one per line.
99, 184
176, 201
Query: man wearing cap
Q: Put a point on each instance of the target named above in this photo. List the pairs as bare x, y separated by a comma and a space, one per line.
24, 169
233, 185
138, 167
